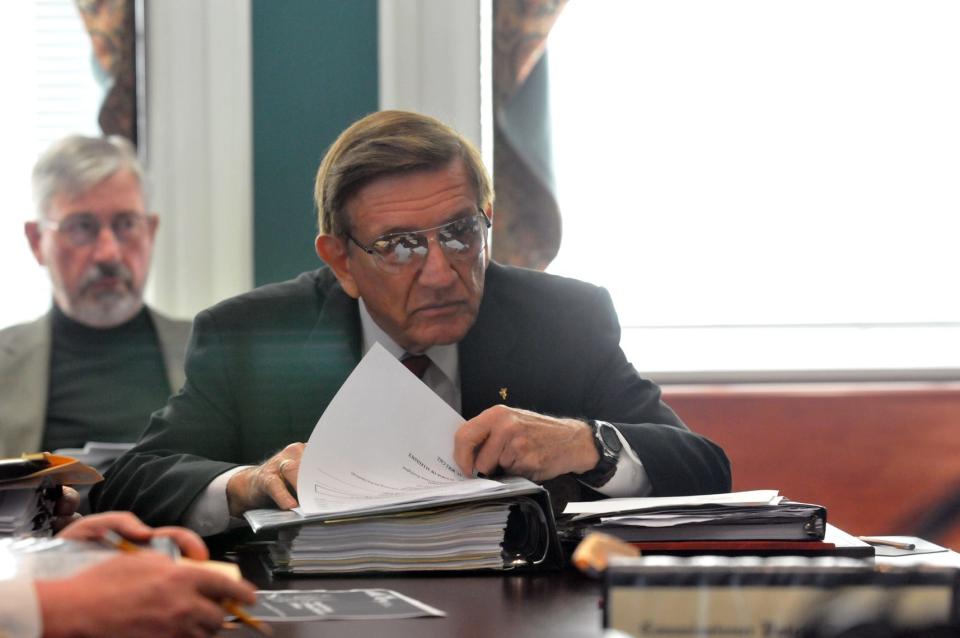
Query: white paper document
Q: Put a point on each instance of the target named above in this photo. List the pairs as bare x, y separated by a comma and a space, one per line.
385, 438
379, 490
620, 505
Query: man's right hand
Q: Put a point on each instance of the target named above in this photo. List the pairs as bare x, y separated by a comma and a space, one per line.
273, 483
93, 527
143, 594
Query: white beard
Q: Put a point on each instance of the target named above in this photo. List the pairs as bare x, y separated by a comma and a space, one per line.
106, 311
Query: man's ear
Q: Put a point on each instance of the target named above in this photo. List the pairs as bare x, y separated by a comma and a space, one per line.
34, 235
153, 222
333, 250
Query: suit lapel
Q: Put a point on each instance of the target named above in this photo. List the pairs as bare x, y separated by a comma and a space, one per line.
172, 338
330, 353
25, 366
488, 374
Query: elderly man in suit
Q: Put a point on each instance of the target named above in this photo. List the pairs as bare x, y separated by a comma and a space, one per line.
532, 361
99, 362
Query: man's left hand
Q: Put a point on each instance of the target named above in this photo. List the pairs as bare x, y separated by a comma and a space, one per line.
523, 443
65, 509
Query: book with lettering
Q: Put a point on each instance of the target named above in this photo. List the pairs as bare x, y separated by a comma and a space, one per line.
778, 596
379, 490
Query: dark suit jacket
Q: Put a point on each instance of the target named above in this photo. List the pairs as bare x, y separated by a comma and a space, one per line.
262, 367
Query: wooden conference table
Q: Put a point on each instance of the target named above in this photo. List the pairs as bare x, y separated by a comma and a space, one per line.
559, 603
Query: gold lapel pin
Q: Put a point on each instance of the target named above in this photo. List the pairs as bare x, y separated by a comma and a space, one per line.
503, 394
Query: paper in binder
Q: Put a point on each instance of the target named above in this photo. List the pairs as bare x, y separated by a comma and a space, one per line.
379, 490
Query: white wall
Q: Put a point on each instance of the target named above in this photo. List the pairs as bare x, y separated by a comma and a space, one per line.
433, 59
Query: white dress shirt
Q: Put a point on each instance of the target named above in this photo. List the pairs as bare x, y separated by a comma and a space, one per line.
19, 609
442, 376
209, 514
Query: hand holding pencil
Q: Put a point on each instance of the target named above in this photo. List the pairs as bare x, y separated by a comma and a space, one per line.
126, 526
229, 605
141, 593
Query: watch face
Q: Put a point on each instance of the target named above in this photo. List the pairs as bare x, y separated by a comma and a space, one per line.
609, 436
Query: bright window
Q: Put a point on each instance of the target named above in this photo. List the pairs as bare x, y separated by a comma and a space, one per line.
766, 187
49, 91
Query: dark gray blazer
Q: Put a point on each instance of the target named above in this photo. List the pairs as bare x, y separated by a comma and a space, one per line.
262, 367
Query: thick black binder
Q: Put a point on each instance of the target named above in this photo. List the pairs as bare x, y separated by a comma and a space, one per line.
528, 541
787, 521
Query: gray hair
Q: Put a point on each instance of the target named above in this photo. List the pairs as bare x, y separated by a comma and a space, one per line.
389, 143
76, 163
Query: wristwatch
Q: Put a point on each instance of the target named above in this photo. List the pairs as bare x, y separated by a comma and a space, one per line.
608, 444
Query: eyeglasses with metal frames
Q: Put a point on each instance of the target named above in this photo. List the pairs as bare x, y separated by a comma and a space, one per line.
83, 229
460, 239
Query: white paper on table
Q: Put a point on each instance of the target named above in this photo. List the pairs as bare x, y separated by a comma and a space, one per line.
652, 520
615, 505
384, 437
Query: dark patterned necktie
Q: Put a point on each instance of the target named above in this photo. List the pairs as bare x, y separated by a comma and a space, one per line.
416, 363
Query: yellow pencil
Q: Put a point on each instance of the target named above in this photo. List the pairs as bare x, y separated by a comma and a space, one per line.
887, 542
244, 617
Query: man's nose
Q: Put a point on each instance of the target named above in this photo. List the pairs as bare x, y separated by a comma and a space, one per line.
437, 271
107, 247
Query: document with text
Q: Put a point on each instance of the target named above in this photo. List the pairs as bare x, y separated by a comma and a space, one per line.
385, 443
385, 437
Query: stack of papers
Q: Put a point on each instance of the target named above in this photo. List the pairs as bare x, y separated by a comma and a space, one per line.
451, 538
379, 490
27, 501
756, 515
25, 511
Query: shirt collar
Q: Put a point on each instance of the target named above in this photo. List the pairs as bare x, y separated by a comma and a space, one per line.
446, 358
